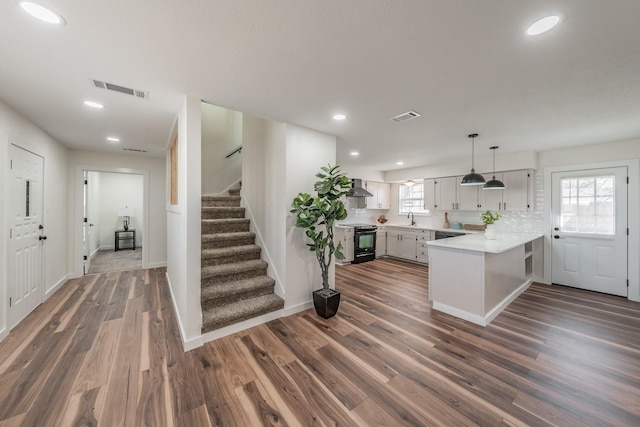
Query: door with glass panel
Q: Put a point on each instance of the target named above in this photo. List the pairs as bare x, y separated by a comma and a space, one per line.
589, 236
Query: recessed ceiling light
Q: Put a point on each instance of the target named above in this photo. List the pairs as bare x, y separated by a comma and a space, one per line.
339, 117
93, 104
399, 163
354, 153
42, 13
113, 139
543, 25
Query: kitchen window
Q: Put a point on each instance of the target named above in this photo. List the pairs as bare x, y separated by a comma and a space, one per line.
411, 199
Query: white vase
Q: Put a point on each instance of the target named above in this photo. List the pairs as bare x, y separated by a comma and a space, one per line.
490, 232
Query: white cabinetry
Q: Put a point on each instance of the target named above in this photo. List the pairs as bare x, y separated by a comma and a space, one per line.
422, 250
449, 195
429, 194
517, 195
401, 243
381, 242
445, 193
381, 195
345, 236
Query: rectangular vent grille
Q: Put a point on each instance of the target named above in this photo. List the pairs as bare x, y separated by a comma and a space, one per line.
137, 150
122, 89
409, 115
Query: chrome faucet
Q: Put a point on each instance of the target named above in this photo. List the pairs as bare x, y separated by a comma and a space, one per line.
410, 214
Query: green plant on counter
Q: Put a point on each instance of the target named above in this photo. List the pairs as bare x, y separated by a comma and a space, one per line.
489, 217
322, 211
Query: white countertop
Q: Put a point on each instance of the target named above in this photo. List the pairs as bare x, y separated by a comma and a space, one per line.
478, 243
415, 227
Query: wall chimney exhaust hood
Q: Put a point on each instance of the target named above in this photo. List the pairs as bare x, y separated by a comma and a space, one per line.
357, 190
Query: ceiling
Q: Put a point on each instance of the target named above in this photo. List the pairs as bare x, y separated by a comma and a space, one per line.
465, 65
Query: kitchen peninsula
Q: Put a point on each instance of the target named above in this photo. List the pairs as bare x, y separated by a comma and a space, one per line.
474, 278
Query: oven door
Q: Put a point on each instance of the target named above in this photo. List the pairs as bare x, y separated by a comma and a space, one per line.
364, 247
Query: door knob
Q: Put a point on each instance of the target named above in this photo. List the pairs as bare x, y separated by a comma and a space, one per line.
556, 229
556, 237
42, 238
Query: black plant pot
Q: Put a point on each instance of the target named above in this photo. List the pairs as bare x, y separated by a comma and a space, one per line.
326, 302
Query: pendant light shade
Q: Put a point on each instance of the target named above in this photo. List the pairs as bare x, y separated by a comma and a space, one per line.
409, 183
472, 178
494, 184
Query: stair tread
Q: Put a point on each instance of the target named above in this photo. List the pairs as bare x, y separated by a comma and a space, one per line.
229, 251
215, 198
231, 235
236, 287
219, 317
223, 208
225, 220
233, 267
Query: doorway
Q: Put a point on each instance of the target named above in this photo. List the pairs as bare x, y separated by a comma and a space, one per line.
589, 219
102, 194
26, 237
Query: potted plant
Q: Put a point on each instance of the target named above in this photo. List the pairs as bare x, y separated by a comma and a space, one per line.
488, 218
317, 215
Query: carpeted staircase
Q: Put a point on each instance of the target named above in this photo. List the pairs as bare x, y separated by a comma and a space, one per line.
235, 285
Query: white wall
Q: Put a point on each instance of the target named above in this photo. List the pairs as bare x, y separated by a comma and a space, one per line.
183, 225
118, 190
17, 129
153, 170
306, 152
263, 179
221, 134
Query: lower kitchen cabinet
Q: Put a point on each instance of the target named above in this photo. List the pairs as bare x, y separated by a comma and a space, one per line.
422, 251
401, 244
381, 242
345, 236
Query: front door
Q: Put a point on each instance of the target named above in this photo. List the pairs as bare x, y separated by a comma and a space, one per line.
26, 238
589, 236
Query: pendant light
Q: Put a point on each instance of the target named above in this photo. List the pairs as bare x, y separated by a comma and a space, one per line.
494, 184
472, 178
409, 183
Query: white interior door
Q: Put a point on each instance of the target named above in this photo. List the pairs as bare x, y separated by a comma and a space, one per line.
589, 236
86, 227
26, 239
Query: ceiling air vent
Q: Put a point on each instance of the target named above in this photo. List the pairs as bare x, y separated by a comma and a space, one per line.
137, 150
409, 115
117, 88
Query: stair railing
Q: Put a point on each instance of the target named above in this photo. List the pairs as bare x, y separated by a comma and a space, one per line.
237, 150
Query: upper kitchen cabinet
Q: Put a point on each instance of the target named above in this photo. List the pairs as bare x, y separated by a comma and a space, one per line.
517, 195
449, 195
445, 193
429, 194
381, 195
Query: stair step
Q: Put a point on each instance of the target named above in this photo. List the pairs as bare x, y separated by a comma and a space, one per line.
210, 201
217, 212
229, 255
230, 292
233, 271
225, 240
234, 192
218, 317
226, 225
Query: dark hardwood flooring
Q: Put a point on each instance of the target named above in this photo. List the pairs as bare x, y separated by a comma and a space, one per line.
105, 350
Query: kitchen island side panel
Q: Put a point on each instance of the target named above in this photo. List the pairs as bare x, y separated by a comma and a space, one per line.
504, 274
456, 279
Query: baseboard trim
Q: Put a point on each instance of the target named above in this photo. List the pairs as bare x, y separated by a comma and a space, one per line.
55, 287
155, 265
186, 344
297, 308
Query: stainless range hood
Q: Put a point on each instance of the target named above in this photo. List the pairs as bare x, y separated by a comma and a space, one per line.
357, 190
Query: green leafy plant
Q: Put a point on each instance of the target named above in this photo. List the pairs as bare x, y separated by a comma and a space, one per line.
489, 217
318, 214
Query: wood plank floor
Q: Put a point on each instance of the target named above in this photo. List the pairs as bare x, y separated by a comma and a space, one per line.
105, 350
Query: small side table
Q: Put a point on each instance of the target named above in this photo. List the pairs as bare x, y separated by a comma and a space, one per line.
129, 234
